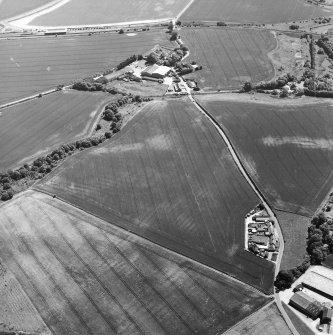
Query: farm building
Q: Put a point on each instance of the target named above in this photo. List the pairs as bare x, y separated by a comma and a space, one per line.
155, 71
306, 305
327, 316
320, 280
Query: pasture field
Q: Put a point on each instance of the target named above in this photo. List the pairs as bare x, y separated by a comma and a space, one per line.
85, 276
267, 321
38, 126
229, 57
169, 177
33, 65
259, 11
295, 231
84, 12
11, 8
287, 149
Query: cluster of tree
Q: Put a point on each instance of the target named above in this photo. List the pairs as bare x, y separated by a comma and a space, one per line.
221, 24
294, 26
319, 245
158, 56
313, 53
319, 94
326, 45
285, 278
174, 35
272, 85
128, 61
88, 86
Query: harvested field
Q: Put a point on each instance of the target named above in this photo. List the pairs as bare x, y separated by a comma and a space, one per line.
84, 12
287, 149
295, 231
85, 276
36, 127
257, 11
269, 319
229, 57
16, 310
11, 8
169, 177
37, 64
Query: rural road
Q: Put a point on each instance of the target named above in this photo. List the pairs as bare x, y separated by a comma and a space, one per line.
248, 178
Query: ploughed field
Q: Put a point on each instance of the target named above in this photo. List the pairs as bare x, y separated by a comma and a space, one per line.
87, 277
169, 177
85, 12
33, 65
11, 8
287, 149
33, 128
229, 56
261, 11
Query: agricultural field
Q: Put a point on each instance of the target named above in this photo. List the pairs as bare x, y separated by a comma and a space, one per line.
229, 57
286, 148
37, 64
33, 128
256, 11
11, 8
85, 276
268, 319
84, 12
169, 177
295, 231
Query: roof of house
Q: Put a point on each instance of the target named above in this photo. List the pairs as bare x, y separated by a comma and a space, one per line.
156, 69
150, 69
328, 313
320, 278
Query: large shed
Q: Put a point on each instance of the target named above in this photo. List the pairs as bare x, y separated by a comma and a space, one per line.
320, 280
155, 71
306, 305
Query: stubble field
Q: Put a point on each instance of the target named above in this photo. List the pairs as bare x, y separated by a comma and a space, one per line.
260, 11
33, 128
169, 177
287, 149
229, 57
86, 277
36, 64
84, 12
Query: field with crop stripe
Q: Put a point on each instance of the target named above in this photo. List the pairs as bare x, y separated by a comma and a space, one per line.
229, 57
169, 177
29, 66
36, 127
11, 8
261, 11
84, 12
287, 149
85, 276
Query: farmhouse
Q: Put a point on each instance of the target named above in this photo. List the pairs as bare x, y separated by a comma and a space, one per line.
155, 71
306, 305
320, 280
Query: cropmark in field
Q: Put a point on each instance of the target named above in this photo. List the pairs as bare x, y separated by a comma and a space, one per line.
38, 64
85, 276
169, 177
260, 11
287, 149
33, 128
85, 12
229, 57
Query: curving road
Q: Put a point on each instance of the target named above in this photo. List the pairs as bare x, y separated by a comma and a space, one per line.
262, 198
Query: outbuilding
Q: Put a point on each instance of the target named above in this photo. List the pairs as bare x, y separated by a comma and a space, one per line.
155, 71
306, 305
327, 316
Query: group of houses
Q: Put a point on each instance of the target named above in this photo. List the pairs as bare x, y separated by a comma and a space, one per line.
262, 238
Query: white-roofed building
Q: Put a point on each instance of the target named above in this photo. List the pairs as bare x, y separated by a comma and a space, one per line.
320, 280
155, 71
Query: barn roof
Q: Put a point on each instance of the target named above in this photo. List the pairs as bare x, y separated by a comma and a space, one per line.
320, 278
